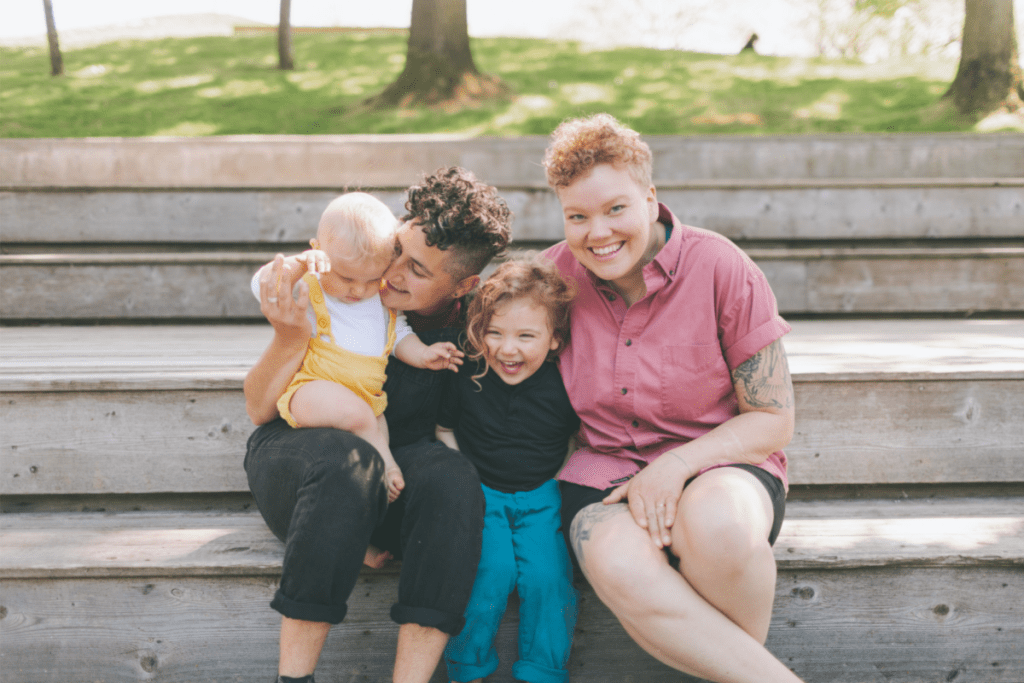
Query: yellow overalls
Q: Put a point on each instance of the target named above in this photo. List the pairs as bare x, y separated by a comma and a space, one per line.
326, 360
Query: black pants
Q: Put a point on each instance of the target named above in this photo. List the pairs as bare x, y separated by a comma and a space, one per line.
322, 492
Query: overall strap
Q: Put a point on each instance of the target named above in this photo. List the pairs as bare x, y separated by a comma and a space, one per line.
316, 297
392, 333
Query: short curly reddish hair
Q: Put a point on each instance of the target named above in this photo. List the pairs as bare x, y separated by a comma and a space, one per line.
460, 213
578, 145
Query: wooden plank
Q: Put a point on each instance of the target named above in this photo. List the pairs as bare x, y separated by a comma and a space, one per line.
185, 286
397, 160
147, 292
110, 442
966, 532
881, 625
193, 441
751, 210
907, 432
861, 350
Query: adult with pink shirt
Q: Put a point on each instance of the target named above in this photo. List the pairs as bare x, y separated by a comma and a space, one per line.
676, 491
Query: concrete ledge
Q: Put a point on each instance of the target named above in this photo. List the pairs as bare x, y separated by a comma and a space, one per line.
396, 161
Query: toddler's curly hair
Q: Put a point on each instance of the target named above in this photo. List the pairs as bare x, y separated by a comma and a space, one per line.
461, 213
531, 276
577, 145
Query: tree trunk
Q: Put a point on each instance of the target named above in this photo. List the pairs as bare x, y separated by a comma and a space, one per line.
439, 66
284, 37
989, 76
56, 61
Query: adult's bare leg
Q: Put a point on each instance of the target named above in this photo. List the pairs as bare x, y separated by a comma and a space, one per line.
301, 643
721, 539
659, 609
418, 654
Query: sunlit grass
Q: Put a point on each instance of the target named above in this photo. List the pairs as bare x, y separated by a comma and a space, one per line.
230, 85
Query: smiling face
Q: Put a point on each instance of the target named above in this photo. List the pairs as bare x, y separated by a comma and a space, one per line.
350, 279
417, 279
610, 226
518, 339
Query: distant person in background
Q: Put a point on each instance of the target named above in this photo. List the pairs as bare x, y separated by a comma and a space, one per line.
676, 369
322, 490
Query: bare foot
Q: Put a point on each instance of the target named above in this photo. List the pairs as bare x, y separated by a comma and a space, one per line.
375, 557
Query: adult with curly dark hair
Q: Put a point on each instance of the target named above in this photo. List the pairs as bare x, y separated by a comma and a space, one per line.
322, 492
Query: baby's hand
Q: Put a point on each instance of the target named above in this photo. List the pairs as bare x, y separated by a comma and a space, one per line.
395, 482
442, 356
312, 261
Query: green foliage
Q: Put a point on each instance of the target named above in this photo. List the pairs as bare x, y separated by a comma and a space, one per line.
231, 86
881, 8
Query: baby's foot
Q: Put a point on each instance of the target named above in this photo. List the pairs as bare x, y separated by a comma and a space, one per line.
394, 481
375, 557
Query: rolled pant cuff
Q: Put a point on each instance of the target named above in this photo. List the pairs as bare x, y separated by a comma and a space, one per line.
468, 672
534, 673
304, 611
424, 616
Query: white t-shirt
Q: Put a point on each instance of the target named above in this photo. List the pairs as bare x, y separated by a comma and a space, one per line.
361, 327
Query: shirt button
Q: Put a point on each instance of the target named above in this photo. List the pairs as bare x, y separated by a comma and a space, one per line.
629, 342
624, 390
636, 423
611, 297
671, 272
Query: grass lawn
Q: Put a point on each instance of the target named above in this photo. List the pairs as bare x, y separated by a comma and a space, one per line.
231, 86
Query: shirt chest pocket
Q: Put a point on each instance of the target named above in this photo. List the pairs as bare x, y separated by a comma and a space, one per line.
694, 379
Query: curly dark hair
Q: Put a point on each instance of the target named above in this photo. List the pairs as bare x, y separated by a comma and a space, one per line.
460, 213
529, 275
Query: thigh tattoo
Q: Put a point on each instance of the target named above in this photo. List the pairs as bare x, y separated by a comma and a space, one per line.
586, 519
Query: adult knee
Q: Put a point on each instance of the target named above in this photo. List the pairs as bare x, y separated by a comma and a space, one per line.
347, 465
726, 546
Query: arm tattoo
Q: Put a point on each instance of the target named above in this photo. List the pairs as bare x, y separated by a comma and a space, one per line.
764, 380
586, 519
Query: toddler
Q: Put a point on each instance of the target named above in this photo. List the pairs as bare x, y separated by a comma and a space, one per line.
509, 414
340, 382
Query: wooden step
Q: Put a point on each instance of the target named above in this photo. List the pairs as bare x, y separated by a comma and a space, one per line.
762, 209
867, 591
396, 161
184, 286
119, 410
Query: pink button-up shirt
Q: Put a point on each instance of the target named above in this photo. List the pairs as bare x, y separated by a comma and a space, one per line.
649, 377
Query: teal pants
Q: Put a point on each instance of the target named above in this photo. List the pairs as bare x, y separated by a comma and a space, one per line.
523, 550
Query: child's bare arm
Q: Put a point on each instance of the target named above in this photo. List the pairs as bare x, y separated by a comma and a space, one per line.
447, 437
438, 356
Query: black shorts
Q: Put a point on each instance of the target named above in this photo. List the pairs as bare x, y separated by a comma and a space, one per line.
575, 497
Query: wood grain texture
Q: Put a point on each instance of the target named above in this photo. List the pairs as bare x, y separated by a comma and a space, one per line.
886, 625
214, 286
963, 532
336, 161
751, 210
192, 441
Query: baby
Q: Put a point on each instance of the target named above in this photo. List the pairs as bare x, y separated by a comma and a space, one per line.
340, 383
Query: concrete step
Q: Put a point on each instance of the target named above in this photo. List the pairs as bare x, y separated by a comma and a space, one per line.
908, 591
843, 279
741, 209
396, 161
155, 410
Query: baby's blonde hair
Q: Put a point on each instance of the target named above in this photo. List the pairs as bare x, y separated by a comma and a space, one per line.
363, 223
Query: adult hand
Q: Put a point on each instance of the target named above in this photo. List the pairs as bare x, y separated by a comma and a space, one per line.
286, 313
653, 495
